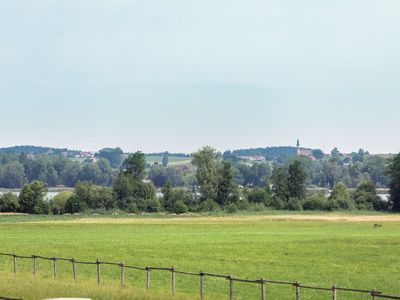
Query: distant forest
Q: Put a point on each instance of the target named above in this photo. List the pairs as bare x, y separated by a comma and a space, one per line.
23, 164
37, 150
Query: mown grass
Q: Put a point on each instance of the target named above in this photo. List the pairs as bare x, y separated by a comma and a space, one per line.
350, 254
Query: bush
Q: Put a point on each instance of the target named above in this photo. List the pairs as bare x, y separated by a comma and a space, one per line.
340, 198
380, 204
75, 205
231, 208
43, 208
132, 208
366, 197
208, 206
9, 202
95, 196
259, 195
59, 201
315, 202
180, 207
243, 204
277, 203
341, 204
294, 204
257, 207
148, 205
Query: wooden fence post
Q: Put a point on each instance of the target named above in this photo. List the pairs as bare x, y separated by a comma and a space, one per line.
262, 289
148, 277
201, 286
15, 263
334, 292
73, 261
55, 267
173, 281
373, 293
98, 271
34, 265
230, 287
122, 275
297, 285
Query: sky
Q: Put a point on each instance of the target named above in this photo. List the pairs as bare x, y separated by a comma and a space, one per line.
176, 75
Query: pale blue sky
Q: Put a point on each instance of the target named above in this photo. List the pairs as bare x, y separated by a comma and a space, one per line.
176, 75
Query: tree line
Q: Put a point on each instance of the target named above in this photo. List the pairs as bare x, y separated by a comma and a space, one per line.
215, 189
17, 170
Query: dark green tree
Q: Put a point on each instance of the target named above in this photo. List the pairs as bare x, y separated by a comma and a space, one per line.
365, 197
296, 180
135, 166
165, 159
113, 155
12, 175
32, 198
393, 171
207, 164
226, 184
280, 186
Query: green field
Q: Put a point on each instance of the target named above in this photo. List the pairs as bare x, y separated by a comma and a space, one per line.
172, 161
310, 249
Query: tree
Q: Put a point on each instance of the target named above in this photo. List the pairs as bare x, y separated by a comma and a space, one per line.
336, 155
12, 175
94, 196
158, 175
375, 167
296, 180
359, 156
280, 184
260, 195
135, 165
226, 184
32, 198
113, 155
91, 173
393, 170
71, 172
365, 197
167, 201
206, 161
123, 189
165, 159
107, 173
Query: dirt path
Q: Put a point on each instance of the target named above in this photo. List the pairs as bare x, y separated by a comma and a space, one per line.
233, 219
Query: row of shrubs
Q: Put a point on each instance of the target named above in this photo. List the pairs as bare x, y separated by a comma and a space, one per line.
90, 197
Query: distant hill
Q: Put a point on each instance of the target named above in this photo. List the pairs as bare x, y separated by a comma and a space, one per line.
37, 150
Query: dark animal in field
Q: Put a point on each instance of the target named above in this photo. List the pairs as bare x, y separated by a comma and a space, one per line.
377, 225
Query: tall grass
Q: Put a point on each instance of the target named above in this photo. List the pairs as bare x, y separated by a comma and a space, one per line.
24, 286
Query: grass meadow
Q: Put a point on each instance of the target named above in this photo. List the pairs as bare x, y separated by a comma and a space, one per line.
172, 160
314, 249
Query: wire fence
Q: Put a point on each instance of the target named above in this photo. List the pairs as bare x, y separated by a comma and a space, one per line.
261, 283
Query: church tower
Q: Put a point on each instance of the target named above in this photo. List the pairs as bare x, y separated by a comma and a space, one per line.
298, 146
